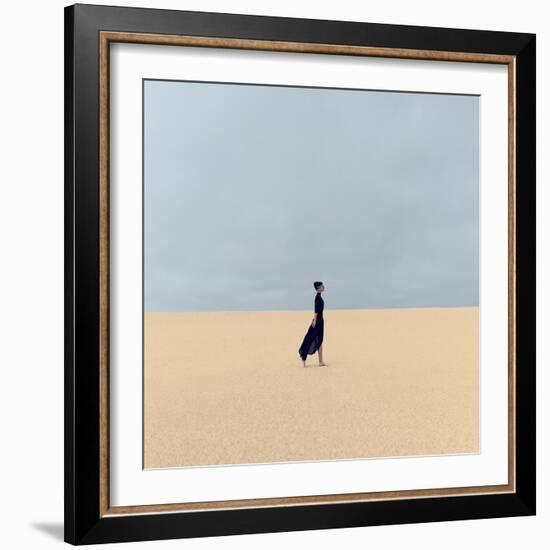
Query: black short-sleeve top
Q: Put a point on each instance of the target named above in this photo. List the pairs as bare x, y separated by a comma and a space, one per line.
319, 304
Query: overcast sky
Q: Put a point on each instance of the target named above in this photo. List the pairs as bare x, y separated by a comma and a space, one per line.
252, 192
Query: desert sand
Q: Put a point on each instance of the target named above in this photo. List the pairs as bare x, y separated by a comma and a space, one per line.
230, 388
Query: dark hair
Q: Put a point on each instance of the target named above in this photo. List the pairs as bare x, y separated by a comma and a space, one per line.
317, 284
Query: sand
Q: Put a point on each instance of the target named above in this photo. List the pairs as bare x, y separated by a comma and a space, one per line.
229, 387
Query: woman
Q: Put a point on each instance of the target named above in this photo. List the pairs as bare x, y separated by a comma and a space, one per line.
313, 340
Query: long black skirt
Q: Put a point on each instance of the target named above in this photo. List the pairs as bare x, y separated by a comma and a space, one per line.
313, 339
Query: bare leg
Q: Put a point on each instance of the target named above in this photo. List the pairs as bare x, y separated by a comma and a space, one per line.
304, 362
320, 351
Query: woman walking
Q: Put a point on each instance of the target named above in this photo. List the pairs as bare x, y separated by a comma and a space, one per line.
313, 340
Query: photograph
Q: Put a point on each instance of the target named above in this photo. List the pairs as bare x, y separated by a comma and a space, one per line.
310, 273
299, 273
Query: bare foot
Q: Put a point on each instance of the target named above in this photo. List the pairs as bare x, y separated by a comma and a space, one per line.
323, 364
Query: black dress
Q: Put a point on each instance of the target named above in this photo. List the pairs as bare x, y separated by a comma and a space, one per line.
314, 336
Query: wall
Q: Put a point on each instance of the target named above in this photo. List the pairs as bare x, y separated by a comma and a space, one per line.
31, 225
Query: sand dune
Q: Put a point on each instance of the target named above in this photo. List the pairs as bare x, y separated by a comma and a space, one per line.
229, 387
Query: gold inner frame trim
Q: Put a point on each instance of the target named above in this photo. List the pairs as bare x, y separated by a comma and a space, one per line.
105, 39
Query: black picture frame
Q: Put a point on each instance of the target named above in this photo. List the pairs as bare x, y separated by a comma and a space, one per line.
84, 522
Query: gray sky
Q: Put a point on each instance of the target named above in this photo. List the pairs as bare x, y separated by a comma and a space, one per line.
252, 192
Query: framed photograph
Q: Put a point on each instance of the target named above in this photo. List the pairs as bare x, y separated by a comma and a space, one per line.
299, 274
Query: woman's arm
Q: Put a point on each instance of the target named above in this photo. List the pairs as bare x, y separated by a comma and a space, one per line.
316, 309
